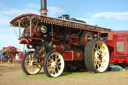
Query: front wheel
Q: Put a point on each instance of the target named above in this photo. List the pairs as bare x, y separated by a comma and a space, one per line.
28, 66
53, 64
96, 56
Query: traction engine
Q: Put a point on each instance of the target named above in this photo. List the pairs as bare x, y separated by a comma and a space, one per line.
61, 44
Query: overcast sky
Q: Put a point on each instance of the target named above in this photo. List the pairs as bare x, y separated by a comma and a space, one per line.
106, 13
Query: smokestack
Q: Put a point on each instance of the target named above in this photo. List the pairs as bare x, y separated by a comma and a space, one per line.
43, 9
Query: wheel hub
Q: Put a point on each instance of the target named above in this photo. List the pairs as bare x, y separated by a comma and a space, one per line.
31, 63
53, 64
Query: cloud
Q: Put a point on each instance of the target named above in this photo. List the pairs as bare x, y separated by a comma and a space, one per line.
32, 8
111, 15
52, 11
55, 11
4, 21
89, 20
18, 11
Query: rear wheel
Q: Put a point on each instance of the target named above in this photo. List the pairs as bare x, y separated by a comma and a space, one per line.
53, 64
28, 65
96, 56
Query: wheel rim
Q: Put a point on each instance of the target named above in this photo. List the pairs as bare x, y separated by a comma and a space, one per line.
55, 64
29, 64
100, 56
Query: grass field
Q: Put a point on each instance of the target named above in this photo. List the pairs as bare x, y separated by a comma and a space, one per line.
13, 75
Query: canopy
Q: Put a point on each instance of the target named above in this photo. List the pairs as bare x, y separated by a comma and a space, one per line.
26, 19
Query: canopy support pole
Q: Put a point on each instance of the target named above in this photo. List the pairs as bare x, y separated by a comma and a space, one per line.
19, 29
15, 32
52, 32
30, 27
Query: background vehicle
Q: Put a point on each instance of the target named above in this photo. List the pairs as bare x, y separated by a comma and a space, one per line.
61, 43
10, 51
118, 47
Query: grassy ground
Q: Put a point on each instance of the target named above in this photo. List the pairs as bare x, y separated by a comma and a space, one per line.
13, 75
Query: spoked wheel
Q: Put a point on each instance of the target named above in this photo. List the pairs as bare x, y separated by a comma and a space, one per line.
28, 65
53, 64
96, 56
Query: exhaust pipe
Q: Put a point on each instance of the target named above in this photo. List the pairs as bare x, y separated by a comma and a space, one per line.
43, 9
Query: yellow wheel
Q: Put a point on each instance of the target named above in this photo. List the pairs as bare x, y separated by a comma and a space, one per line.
96, 56
28, 65
53, 64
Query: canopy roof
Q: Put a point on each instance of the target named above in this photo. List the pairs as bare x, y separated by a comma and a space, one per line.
24, 19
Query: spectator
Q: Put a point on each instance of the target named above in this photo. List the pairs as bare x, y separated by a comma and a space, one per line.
6, 57
1, 57
10, 59
17, 58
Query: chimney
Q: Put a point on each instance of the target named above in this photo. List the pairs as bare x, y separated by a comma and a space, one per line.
43, 9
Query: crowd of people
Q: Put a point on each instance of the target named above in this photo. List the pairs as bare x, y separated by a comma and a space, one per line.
10, 59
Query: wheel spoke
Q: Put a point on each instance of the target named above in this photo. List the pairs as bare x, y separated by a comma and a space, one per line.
49, 64
29, 57
98, 65
50, 60
52, 57
58, 60
57, 68
55, 57
95, 64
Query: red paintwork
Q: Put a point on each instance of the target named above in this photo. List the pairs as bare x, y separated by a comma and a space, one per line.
74, 40
78, 55
21, 55
23, 41
71, 55
85, 40
23, 15
118, 56
68, 55
34, 30
10, 46
58, 47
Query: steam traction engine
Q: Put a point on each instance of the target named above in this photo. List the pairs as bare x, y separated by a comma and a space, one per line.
9, 51
61, 43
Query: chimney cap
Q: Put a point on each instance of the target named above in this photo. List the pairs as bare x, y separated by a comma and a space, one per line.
43, 11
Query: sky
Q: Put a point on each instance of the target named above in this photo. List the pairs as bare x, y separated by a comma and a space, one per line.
112, 14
